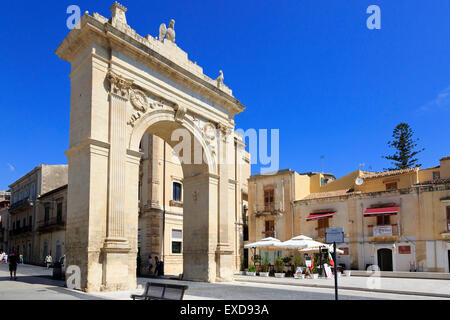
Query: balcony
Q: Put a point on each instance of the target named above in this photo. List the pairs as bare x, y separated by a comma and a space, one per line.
268, 234
384, 232
53, 224
20, 231
267, 210
20, 205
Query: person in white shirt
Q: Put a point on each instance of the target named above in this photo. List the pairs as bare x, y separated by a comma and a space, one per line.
48, 260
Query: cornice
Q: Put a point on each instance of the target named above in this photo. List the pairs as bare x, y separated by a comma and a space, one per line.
90, 26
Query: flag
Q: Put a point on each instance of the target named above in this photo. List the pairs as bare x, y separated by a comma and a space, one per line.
312, 262
331, 259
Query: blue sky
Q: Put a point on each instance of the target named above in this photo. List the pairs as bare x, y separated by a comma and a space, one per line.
311, 69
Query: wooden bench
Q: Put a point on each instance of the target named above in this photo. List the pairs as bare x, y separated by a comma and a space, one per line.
161, 291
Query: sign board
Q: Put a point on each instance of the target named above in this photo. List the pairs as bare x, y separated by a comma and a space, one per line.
328, 271
380, 231
334, 235
308, 262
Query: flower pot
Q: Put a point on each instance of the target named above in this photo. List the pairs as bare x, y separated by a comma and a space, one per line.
242, 273
251, 273
279, 275
347, 273
263, 274
315, 276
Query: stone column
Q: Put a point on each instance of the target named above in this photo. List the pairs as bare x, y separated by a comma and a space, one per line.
116, 245
224, 253
200, 211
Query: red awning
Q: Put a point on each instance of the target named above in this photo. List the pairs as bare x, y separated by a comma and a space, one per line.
381, 211
321, 215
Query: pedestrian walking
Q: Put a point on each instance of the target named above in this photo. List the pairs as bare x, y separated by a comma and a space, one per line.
138, 265
156, 273
12, 261
150, 264
48, 260
21, 258
2, 256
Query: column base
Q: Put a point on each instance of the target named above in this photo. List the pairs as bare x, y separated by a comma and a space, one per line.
224, 257
118, 272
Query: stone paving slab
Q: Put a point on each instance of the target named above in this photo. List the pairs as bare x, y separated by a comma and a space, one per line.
423, 287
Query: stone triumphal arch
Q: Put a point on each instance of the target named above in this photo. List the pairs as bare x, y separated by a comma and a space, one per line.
124, 85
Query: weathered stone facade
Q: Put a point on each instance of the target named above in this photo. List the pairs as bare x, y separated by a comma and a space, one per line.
124, 85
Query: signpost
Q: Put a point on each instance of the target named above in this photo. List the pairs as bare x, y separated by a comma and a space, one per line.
334, 235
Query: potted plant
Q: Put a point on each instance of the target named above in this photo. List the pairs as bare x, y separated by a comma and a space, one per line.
264, 269
251, 271
279, 267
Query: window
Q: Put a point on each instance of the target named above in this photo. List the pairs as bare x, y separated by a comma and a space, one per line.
177, 191
391, 185
404, 249
448, 218
46, 213
270, 226
59, 212
436, 175
177, 239
322, 225
383, 220
268, 199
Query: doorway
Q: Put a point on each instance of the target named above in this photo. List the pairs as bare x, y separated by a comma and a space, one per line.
448, 253
385, 259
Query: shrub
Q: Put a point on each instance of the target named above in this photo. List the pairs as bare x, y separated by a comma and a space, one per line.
286, 260
265, 265
279, 265
251, 269
298, 261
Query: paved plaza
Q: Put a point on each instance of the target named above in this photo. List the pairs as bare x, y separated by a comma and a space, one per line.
35, 283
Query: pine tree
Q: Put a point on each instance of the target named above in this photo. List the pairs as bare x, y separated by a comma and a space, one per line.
405, 146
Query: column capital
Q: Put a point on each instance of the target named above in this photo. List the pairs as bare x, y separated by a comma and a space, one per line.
120, 86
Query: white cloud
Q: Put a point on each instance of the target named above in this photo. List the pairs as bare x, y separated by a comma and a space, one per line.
442, 101
11, 167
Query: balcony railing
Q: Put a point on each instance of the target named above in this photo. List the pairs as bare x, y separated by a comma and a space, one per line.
384, 231
267, 210
21, 204
19, 231
269, 234
51, 224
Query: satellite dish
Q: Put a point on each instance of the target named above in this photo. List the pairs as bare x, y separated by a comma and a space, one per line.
359, 181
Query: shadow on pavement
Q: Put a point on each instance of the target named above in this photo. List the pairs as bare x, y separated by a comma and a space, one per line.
223, 291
